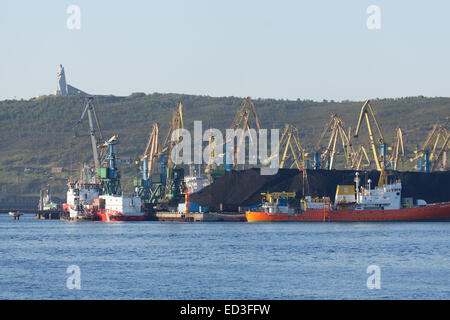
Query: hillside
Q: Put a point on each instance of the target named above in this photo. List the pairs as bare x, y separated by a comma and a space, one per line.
37, 134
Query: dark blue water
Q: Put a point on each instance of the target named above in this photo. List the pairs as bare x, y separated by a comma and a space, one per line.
155, 260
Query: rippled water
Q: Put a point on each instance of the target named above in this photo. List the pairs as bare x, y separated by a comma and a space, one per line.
153, 260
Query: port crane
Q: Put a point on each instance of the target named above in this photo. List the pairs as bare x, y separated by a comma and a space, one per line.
245, 118
169, 142
94, 131
435, 147
110, 175
399, 149
172, 174
290, 141
151, 151
145, 188
367, 112
442, 155
358, 157
212, 168
103, 152
337, 129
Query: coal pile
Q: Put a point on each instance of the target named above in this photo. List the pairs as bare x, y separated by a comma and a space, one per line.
244, 188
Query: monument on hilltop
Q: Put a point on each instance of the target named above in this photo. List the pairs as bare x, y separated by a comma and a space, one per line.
62, 88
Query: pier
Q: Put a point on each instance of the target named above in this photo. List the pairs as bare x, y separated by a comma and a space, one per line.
165, 216
47, 214
198, 217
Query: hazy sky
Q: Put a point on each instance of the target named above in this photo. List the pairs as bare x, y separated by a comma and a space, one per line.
277, 49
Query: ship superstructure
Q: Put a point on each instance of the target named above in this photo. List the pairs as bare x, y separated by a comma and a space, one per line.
81, 193
386, 196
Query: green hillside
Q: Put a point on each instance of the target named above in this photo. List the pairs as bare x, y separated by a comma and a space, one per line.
37, 134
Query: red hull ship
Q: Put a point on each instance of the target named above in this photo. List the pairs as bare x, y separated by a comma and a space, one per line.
114, 216
435, 212
107, 216
110, 208
99, 197
384, 203
105, 208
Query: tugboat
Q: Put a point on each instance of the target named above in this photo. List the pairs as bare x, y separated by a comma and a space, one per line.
352, 203
112, 204
80, 196
100, 197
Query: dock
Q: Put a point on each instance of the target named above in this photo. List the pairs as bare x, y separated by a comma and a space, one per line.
198, 217
165, 216
47, 214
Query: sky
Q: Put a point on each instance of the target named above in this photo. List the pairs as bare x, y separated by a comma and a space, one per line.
263, 49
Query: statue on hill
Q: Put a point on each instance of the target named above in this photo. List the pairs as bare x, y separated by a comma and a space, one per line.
62, 88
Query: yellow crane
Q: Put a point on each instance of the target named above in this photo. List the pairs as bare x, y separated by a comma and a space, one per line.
290, 141
151, 150
442, 155
212, 165
146, 188
274, 197
338, 132
169, 143
367, 112
172, 175
358, 157
399, 149
245, 119
435, 146
242, 118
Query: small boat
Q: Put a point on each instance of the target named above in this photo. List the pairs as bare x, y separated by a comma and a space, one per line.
15, 214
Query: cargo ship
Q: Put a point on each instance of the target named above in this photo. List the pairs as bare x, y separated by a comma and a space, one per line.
119, 208
80, 198
97, 195
85, 202
352, 203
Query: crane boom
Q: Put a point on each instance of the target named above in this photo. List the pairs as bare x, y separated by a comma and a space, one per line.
441, 153
431, 147
337, 132
399, 149
367, 110
356, 161
290, 147
93, 124
151, 150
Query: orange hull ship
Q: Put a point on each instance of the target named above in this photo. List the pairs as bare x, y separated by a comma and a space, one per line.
435, 212
383, 203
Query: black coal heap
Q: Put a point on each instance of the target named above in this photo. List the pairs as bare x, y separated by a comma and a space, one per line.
244, 188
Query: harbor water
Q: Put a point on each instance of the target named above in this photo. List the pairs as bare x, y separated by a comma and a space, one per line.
155, 260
